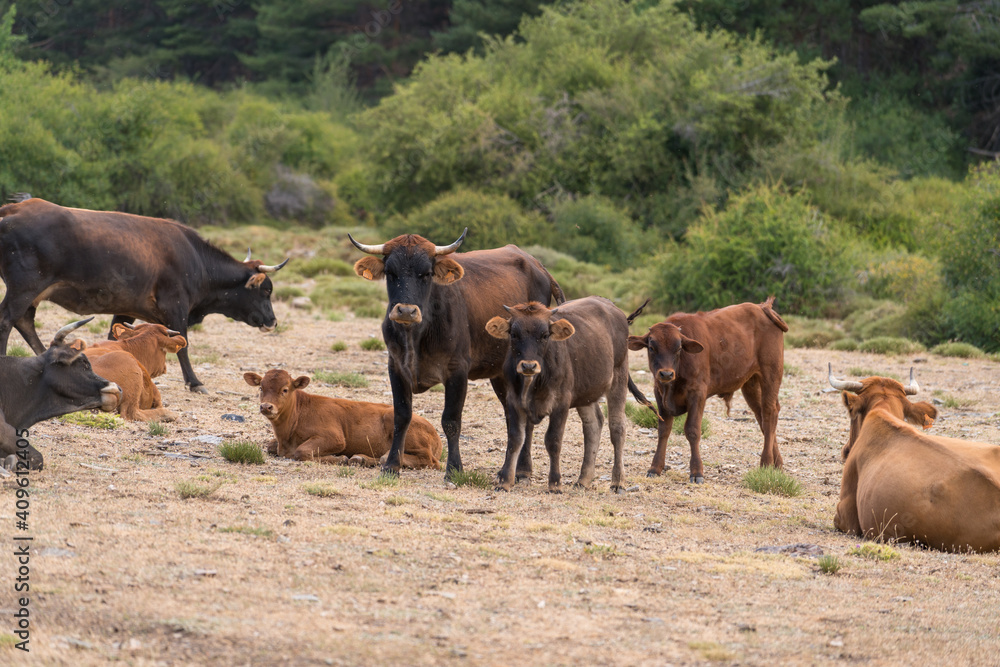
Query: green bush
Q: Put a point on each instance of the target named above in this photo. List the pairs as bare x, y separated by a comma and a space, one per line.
807, 332
324, 265
765, 242
768, 479
241, 451
493, 221
594, 230
287, 292
372, 344
844, 345
962, 350
890, 345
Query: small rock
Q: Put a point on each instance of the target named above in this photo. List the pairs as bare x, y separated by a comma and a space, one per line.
233, 418
57, 552
205, 573
208, 439
837, 642
305, 598
303, 302
634, 488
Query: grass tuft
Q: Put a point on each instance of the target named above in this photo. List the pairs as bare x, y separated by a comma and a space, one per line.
640, 415
190, 488
241, 451
829, 564
18, 350
248, 530
383, 481
873, 551
156, 429
768, 479
339, 346
354, 380
322, 489
372, 344
475, 478
105, 420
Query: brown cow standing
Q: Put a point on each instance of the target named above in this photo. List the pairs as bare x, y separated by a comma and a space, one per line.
695, 356
309, 427
561, 359
905, 485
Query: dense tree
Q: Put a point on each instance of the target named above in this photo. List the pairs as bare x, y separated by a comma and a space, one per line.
470, 19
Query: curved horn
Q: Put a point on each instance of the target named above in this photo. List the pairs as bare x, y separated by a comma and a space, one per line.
509, 309
913, 387
248, 255
370, 249
61, 334
843, 385
448, 249
264, 268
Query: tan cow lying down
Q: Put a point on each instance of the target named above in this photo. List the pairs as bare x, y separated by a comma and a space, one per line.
148, 343
309, 427
902, 484
141, 399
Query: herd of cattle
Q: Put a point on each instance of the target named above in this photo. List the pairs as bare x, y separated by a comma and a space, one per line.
451, 318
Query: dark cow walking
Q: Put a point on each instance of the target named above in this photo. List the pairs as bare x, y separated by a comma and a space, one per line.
126, 265
695, 356
435, 326
56, 382
558, 360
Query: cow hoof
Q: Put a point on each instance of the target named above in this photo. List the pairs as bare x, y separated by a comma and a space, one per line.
696, 479
555, 489
652, 473
198, 389
10, 462
523, 479
618, 489
393, 472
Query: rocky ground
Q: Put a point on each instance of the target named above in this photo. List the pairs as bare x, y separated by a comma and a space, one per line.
422, 572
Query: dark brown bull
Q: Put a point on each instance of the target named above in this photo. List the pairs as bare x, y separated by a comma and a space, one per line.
561, 359
902, 484
126, 265
435, 325
695, 356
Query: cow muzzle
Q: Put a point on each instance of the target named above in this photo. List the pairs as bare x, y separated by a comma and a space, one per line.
406, 314
529, 368
111, 396
267, 409
665, 375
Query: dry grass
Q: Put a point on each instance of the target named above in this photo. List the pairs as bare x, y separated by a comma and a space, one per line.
416, 571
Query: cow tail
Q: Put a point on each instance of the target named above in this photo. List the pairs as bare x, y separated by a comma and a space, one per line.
554, 290
639, 396
638, 311
768, 308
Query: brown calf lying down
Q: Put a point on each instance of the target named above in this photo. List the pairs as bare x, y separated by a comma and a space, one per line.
309, 427
141, 399
148, 343
905, 485
695, 356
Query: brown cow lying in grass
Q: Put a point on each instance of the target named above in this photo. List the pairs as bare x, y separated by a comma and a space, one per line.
905, 485
695, 356
309, 427
131, 362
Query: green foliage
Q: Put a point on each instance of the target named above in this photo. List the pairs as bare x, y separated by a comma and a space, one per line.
108, 421
640, 415
322, 489
354, 380
364, 297
190, 488
473, 478
492, 220
156, 429
961, 350
873, 551
829, 564
324, 265
287, 292
18, 350
808, 332
681, 420
470, 19
765, 242
382, 481
372, 344
579, 279
844, 345
594, 230
242, 451
768, 479
890, 345
339, 346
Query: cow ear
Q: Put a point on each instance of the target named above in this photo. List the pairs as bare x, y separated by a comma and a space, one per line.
174, 343
79, 345
300, 382
852, 402
122, 332
256, 280
561, 329
690, 345
638, 342
498, 327
447, 271
253, 379
370, 268
922, 414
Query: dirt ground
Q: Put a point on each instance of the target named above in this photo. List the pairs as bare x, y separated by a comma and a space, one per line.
261, 572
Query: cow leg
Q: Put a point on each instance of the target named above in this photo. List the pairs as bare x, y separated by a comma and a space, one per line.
363, 461
692, 429
26, 327
118, 319
515, 439
553, 445
179, 323
592, 420
455, 389
524, 459
402, 415
12, 309
663, 428
769, 425
616, 426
